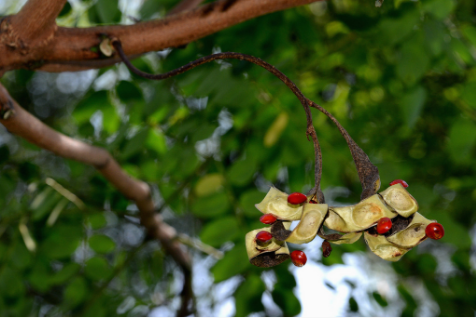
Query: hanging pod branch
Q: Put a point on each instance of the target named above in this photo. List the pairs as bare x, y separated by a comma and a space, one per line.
389, 220
310, 131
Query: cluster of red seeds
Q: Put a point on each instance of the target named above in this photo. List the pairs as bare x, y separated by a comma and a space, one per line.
433, 230
263, 237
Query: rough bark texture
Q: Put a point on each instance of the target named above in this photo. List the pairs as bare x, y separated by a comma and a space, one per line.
70, 49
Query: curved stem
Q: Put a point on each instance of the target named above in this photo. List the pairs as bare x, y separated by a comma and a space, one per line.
233, 55
368, 172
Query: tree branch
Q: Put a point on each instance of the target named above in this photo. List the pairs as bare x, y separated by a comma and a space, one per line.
35, 23
184, 5
72, 45
23, 124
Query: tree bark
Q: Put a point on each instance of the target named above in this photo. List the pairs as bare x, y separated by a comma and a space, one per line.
70, 47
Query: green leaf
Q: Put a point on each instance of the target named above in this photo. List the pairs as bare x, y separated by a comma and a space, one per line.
62, 241
156, 141
76, 291
379, 299
412, 63
97, 220
11, 282
210, 206
353, 305
411, 104
101, 244
287, 301
248, 201
135, 144
66, 10
233, 263
462, 138
209, 184
97, 268
440, 9
241, 172
128, 92
66, 273
108, 11
220, 231
468, 94
248, 296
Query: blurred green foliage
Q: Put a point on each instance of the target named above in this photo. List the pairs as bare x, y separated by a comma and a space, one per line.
401, 78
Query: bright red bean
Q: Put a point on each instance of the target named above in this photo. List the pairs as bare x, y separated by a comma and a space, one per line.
402, 182
435, 231
299, 258
384, 225
263, 237
297, 198
268, 219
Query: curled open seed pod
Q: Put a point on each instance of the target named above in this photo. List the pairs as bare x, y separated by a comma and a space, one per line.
359, 217
270, 255
413, 235
276, 202
399, 199
311, 220
348, 238
383, 248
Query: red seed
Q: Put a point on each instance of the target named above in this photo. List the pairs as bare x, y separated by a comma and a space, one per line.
435, 231
384, 225
313, 201
326, 248
297, 198
268, 219
299, 258
263, 237
403, 183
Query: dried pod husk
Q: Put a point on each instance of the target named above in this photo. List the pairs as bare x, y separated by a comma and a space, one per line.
359, 217
271, 246
413, 235
276, 203
383, 248
312, 217
268, 255
348, 238
399, 199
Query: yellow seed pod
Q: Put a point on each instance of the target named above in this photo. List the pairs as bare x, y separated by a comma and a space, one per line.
399, 199
271, 254
276, 202
311, 220
359, 217
254, 247
413, 235
348, 238
383, 248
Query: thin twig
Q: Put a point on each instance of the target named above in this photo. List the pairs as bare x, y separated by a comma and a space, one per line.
199, 245
233, 55
65, 193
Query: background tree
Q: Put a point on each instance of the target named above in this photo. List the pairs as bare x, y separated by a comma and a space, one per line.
400, 77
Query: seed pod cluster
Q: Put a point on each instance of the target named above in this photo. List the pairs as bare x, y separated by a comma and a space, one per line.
389, 221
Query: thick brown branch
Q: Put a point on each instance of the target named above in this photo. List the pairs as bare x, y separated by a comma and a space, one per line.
23, 124
35, 23
71, 45
184, 5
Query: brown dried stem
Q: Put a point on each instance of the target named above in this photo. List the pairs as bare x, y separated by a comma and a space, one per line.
368, 172
270, 68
